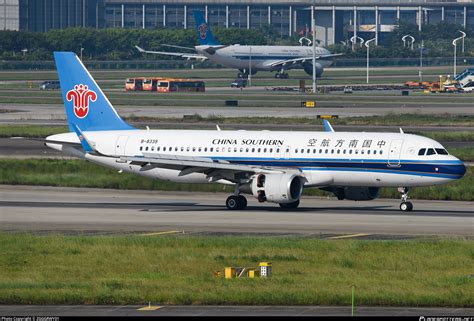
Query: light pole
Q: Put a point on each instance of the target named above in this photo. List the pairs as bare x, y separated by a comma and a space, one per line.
250, 66
367, 44
463, 36
420, 72
81, 53
455, 51
410, 42
313, 22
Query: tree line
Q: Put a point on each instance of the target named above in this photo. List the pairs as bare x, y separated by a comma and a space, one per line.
119, 44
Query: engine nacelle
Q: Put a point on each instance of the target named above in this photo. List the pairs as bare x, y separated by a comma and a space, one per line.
356, 193
277, 188
308, 68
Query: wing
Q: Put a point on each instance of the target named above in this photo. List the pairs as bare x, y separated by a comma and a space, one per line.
214, 169
175, 54
301, 60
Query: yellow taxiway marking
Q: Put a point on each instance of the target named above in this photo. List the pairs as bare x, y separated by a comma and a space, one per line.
150, 308
348, 236
161, 233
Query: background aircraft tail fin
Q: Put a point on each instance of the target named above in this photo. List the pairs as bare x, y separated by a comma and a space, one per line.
86, 105
204, 33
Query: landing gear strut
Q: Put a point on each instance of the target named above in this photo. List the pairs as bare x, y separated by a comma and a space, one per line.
405, 205
236, 202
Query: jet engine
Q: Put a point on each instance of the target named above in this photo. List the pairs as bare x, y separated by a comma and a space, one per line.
276, 188
355, 193
308, 68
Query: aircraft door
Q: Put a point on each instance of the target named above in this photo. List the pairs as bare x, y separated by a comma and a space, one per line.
120, 145
394, 152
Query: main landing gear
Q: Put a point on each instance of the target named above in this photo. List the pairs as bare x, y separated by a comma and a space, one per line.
236, 202
405, 206
281, 75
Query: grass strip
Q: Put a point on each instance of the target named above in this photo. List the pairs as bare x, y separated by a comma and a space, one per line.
57, 269
78, 173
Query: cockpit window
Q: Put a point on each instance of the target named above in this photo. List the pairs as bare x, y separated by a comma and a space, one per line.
441, 151
430, 151
421, 152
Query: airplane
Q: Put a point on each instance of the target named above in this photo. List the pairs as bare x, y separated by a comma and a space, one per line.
272, 166
251, 59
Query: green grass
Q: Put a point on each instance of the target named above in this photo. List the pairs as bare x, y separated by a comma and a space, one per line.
78, 173
388, 120
58, 269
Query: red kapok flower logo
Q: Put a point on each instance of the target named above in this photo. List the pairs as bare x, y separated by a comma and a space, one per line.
80, 96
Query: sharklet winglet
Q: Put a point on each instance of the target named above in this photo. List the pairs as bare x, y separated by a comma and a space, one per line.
327, 126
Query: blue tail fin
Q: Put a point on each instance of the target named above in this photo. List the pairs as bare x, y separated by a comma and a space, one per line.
204, 33
86, 105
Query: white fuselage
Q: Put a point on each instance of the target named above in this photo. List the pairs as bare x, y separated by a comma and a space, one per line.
323, 158
262, 58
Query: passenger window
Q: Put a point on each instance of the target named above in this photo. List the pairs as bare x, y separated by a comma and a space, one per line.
368, 152
241, 149
176, 149
259, 149
270, 150
362, 152
344, 151
338, 151
264, 150
229, 149
182, 149
421, 152
326, 151
199, 149
217, 149
212, 149
314, 151
247, 150
430, 151
296, 151
441, 151
205, 149
152, 148
194, 149
253, 150
350, 151
141, 148
235, 149
320, 151
302, 150
380, 152
357, 151
332, 151
308, 151
188, 149
146, 148
277, 150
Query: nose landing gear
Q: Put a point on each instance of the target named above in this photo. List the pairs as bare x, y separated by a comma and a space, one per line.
405, 205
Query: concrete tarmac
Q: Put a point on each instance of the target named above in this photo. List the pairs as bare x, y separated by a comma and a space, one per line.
84, 210
200, 311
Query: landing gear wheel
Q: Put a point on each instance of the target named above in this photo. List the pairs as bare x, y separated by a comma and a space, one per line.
232, 202
406, 206
277, 75
294, 204
243, 202
235, 202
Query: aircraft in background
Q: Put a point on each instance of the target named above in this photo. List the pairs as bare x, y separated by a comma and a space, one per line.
271, 166
251, 59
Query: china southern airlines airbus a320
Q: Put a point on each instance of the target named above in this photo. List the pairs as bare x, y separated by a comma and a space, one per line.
271, 166
252, 58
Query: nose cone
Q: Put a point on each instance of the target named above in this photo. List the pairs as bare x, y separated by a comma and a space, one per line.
462, 169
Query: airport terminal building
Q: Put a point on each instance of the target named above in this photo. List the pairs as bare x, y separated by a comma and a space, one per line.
335, 19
